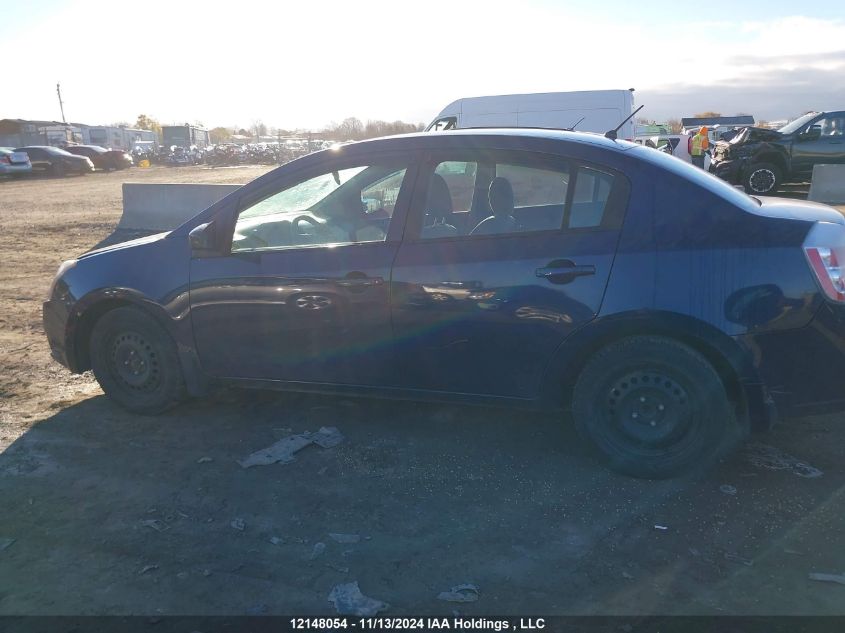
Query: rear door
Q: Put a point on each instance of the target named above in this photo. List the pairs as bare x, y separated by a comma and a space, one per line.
38, 158
481, 310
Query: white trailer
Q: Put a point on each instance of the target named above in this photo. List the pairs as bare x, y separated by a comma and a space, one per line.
585, 111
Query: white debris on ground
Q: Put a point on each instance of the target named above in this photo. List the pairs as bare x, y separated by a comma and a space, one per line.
771, 458
283, 451
344, 538
348, 600
837, 578
460, 593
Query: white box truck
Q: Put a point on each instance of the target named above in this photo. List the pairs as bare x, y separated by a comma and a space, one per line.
585, 111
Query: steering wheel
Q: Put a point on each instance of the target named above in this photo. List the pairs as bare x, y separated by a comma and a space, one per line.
318, 226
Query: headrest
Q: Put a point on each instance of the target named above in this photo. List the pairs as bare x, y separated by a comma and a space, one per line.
439, 202
501, 196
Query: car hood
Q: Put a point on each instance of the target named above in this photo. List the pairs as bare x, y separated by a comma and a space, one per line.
748, 142
755, 135
791, 209
148, 239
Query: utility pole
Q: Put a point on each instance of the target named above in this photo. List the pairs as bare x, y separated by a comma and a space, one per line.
61, 105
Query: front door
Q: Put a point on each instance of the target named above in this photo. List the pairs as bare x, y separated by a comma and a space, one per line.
822, 143
505, 255
303, 293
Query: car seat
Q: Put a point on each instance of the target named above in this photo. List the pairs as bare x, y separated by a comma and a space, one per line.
438, 210
500, 195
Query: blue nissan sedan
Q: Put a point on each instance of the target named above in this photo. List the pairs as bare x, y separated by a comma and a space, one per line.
670, 312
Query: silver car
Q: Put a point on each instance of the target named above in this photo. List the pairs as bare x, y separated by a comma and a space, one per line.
14, 163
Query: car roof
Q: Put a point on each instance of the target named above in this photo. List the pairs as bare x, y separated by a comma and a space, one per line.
428, 139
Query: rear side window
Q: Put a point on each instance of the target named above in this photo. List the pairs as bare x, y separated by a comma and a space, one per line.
589, 200
511, 193
534, 187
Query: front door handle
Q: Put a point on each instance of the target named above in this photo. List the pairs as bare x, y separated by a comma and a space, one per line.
564, 271
359, 280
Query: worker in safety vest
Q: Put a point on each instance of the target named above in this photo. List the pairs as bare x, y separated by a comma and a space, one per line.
698, 145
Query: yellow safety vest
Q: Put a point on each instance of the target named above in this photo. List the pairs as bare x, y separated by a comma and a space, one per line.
697, 142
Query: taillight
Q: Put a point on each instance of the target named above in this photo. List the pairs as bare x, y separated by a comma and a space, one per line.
825, 250
5, 160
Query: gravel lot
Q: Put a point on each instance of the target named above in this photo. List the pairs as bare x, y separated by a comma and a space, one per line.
113, 513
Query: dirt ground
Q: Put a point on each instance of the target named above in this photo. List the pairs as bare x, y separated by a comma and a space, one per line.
112, 513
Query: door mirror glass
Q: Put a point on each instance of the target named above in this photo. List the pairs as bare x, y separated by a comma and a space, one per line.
201, 238
812, 133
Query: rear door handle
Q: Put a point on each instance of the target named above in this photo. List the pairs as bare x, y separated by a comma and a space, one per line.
562, 272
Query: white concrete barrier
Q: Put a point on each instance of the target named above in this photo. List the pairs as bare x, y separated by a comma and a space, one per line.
828, 184
162, 207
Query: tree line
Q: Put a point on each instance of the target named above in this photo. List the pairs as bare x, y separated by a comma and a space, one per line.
350, 129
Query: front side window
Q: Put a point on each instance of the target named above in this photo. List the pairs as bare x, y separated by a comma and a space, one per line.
831, 126
459, 177
339, 207
444, 123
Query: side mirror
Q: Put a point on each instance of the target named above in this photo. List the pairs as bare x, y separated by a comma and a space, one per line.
813, 134
202, 239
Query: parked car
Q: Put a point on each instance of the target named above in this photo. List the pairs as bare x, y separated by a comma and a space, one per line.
762, 159
102, 158
14, 163
671, 312
678, 145
55, 161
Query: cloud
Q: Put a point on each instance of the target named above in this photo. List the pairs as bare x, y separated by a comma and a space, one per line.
804, 59
768, 94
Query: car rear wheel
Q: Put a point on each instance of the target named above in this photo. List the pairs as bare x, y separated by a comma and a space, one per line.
762, 179
135, 361
654, 408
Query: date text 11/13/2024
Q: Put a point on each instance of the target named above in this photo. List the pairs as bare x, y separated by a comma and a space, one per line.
418, 624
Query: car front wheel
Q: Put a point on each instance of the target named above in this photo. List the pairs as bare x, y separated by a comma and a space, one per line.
654, 408
762, 179
135, 361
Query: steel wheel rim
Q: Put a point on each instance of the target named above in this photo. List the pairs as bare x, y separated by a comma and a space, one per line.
134, 362
762, 180
647, 410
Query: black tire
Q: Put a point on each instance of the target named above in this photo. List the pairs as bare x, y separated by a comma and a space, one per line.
135, 361
762, 179
654, 408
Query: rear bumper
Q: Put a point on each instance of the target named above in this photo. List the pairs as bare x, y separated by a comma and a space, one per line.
803, 370
15, 169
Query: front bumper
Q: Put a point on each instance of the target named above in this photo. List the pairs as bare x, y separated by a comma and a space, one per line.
55, 317
729, 170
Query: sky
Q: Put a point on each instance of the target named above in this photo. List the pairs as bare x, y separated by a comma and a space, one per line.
304, 63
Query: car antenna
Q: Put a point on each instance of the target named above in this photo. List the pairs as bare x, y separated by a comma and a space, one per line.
611, 134
572, 129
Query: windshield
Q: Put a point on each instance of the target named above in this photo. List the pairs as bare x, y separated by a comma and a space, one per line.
797, 124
